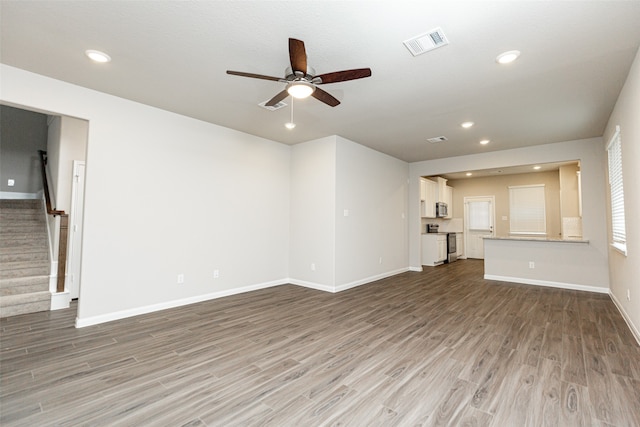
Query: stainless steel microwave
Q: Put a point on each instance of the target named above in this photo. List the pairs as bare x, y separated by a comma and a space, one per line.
441, 210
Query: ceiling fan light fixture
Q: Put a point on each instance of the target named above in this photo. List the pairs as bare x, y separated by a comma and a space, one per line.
300, 89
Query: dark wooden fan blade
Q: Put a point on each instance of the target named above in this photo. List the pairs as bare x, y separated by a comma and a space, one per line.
343, 76
323, 96
279, 97
298, 56
255, 76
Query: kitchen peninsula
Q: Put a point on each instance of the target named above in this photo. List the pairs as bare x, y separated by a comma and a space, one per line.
567, 264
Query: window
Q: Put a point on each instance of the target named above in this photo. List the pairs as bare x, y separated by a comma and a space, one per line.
480, 216
619, 234
527, 209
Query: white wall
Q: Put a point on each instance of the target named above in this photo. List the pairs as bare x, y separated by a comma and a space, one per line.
328, 176
313, 187
592, 160
23, 133
166, 194
373, 188
624, 271
69, 145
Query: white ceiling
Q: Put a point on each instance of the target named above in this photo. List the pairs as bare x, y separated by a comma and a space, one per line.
174, 54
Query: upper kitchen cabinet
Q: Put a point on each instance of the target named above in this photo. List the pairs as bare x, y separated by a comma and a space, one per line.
432, 192
428, 198
448, 199
441, 185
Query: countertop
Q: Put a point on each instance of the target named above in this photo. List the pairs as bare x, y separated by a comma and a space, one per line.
441, 233
538, 239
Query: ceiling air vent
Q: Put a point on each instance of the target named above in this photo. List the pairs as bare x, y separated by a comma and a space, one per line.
437, 139
426, 42
278, 106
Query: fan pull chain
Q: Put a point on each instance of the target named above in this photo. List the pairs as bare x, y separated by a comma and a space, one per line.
291, 124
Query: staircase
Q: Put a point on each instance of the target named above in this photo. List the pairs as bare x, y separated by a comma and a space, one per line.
24, 258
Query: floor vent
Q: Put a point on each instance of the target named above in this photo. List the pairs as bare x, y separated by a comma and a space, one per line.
426, 42
278, 106
437, 139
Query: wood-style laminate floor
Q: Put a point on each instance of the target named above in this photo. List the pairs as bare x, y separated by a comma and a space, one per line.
442, 347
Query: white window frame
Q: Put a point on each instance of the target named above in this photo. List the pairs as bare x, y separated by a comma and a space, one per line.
616, 193
514, 227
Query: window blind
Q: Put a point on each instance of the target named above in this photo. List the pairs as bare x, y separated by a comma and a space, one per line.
614, 151
527, 209
479, 216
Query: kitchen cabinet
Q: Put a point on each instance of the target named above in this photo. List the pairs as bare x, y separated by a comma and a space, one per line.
428, 198
448, 199
441, 189
434, 249
459, 245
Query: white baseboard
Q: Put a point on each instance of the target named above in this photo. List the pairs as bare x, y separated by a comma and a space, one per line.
547, 283
60, 300
625, 316
312, 285
344, 287
18, 196
94, 320
370, 279
418, 269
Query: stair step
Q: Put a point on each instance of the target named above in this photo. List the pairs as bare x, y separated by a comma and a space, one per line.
18, 242
8, 223
11, 270
12, 305
36, 254
24, 285
18, 215
24, 234
35, 247
20, 203
9, 230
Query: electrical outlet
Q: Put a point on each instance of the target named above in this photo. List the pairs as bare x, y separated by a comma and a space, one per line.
216, 274
532, 264
346, 212
11, 182
313, 266
180, 278
628, 294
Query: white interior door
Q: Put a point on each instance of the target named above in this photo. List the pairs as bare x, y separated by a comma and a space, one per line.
75, 228
479, 219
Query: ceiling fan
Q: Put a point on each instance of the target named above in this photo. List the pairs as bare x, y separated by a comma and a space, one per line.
302, 80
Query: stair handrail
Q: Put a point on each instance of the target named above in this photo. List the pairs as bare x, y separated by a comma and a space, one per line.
64, 223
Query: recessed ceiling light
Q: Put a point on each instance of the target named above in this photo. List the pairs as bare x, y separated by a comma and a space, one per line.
507, 57
467, 125
97, 56
484, 142
537, 167
290, 125
469, 174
